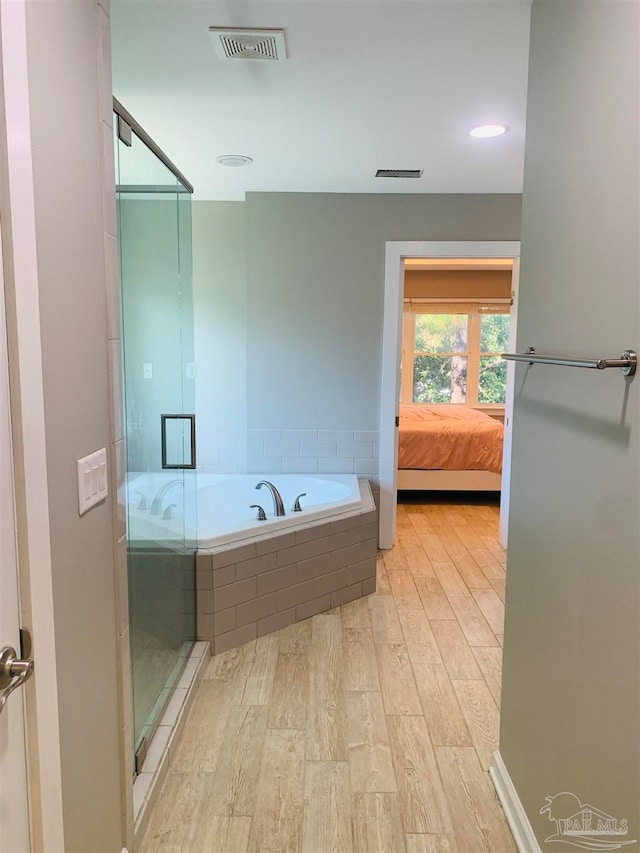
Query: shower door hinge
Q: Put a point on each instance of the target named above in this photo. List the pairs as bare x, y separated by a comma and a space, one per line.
141, 754
124, 131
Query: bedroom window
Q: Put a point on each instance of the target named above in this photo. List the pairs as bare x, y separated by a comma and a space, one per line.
440, 358
452, 353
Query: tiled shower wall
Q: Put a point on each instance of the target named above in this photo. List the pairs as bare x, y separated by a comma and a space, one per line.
231, 450
310, 451
221, 449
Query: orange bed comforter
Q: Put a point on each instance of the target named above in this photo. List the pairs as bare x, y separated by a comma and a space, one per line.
449, 437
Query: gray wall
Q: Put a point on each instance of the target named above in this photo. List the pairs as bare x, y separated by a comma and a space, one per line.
570, 714
220, 300
288, 291
157, 310
63, 51
315, 281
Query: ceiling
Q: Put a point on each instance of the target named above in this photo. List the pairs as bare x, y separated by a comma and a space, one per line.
368, 84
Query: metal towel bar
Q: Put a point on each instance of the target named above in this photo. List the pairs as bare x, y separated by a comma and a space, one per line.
627, 361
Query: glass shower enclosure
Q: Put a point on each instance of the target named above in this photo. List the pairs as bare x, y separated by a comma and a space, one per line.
154, 233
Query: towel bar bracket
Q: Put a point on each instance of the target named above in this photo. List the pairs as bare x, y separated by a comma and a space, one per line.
631, 358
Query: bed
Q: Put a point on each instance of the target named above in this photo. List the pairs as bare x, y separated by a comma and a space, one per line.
449, 448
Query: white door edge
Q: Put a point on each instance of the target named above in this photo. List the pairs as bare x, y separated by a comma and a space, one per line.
396, 252
505, 497
14, 800
25, 357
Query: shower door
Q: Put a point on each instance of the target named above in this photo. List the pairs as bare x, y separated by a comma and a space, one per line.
154, 228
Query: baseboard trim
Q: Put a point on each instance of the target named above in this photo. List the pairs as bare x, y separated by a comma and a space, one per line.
522, 831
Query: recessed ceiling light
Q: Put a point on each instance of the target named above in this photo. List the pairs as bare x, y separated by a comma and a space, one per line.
234, 160
486, 131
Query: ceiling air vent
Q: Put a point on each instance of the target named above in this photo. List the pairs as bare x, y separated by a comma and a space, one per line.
262, 45
399, 173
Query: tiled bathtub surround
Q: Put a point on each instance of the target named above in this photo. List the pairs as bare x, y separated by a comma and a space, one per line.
311, 451
269, 582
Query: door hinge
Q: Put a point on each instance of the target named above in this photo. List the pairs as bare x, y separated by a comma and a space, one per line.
141, 754
397, 420
26, 646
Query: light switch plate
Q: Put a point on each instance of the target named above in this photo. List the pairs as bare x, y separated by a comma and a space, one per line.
147, 370
92, 480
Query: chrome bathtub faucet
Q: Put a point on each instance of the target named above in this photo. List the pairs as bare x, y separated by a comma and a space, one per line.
278, 506
156, 504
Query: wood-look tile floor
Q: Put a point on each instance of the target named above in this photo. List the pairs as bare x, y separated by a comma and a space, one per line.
368, 728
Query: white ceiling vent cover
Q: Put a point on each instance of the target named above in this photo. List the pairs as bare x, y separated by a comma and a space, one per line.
255, 44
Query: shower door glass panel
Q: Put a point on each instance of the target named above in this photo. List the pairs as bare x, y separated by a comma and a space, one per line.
154, 226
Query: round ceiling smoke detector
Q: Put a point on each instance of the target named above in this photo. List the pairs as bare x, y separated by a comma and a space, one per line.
487, 131
234, 160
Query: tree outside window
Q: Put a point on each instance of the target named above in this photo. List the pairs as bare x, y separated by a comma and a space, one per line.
494, 339
440, 358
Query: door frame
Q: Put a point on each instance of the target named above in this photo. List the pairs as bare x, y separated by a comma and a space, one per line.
505, 495
20, 262
12, 717
395, 254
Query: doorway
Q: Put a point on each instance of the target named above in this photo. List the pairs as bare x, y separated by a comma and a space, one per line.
396, 254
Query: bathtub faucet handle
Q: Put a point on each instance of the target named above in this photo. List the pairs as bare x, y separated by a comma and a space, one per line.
143, 504
262, 515
296, 503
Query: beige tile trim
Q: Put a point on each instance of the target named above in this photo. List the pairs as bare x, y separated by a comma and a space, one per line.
148, 784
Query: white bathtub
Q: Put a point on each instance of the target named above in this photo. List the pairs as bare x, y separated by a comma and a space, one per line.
223, 501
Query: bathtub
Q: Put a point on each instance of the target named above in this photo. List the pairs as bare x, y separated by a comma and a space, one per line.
223, 501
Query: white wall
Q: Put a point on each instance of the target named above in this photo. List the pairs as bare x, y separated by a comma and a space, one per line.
570, 708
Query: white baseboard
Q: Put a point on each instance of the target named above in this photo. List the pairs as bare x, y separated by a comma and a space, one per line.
517, 819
